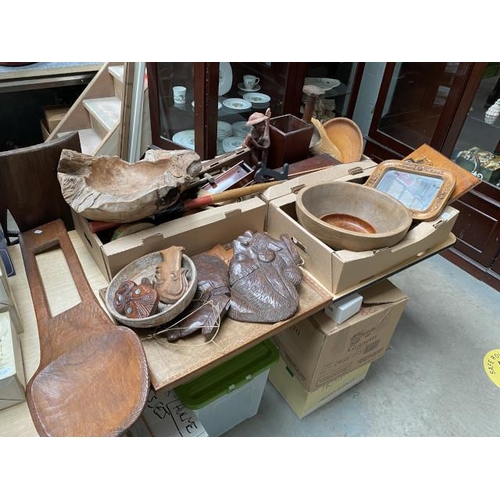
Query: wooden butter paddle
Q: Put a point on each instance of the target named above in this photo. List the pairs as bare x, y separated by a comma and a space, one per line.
93, 377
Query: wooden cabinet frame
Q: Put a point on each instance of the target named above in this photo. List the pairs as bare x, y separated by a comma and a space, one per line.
285, 79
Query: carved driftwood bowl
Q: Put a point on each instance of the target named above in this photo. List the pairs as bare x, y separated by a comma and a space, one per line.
360, 218
107, 188
145, 267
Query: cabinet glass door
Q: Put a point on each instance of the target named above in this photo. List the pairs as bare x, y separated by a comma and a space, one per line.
477, 148
219, 99
173, 83
416, 104
246, 88
337, 79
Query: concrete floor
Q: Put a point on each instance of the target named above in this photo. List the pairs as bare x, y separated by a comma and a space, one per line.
430, 382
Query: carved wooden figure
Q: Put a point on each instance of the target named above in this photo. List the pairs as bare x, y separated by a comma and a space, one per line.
171, 279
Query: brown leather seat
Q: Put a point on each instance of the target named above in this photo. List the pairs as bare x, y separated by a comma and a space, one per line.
29, 187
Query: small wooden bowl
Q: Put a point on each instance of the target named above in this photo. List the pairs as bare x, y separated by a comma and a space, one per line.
347, 137
364, 218
145, 267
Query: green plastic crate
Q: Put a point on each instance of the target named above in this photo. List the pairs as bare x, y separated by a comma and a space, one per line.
231, 392
229, 376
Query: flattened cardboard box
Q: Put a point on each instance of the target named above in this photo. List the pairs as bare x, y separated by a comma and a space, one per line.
12, 380
319, 350
342, 271
196, 233
303, 402
7, 301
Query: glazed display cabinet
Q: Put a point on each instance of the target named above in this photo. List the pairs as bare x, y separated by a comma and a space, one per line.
455, 108
211, 117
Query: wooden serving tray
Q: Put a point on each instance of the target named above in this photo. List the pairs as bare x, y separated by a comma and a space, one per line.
464, 180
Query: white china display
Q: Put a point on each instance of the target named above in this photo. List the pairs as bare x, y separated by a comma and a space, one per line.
242, 87
225, 78
241, 129
219, 105
323, 83
224, 129
238, 104
256, 98
184, 138
232, 144
493, 112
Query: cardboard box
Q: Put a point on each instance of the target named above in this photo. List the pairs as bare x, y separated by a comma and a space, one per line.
303, 402
318, 350
12, 380
5, 259
196, 233
43, 128
345, 271
7, 301
165, 416
53, 114
333, 173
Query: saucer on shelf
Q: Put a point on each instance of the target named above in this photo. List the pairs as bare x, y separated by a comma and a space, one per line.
239, 104
242, 87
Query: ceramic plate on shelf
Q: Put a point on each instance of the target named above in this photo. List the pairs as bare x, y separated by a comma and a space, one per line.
323, 83
185, 138
241, 129
239, 104
225, 78
232, 144
224, 129
256, 98
219, 105
242, 87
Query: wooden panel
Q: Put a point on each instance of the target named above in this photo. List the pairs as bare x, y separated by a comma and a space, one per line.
478, 227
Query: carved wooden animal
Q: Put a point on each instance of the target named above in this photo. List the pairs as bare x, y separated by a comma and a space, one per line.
210, 303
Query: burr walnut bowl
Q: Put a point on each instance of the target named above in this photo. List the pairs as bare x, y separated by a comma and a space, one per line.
351, 216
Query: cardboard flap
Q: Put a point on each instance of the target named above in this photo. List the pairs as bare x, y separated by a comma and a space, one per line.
335, 172
382, 293
11, 389
152, 238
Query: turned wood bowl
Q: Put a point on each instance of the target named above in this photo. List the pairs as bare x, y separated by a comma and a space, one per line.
346, 136
145, 267
351, 216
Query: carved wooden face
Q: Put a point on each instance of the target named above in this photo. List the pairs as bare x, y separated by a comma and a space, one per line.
135, 301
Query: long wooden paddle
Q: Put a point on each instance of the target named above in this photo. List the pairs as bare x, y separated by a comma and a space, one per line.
93, 378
